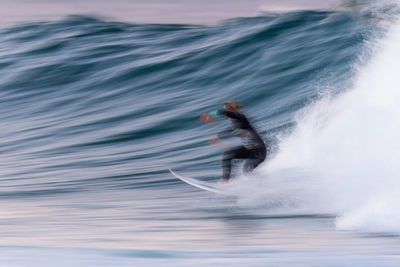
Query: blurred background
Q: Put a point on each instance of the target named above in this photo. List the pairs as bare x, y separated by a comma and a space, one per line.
151, 11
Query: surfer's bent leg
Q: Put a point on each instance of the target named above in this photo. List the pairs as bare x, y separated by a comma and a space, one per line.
236, 153
257, 157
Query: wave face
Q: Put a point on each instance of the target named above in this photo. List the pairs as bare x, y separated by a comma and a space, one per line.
89, 105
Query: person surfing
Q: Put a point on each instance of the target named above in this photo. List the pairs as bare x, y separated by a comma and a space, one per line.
252, 149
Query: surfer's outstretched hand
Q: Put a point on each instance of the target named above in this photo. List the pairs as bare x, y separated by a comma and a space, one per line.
218, 142
206, 118
214, 140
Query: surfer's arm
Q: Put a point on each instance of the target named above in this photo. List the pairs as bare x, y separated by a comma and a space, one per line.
231, 114
216, 139
212, 116
218, 142
225, 133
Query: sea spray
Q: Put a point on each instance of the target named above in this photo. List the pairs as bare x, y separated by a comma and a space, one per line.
350, 145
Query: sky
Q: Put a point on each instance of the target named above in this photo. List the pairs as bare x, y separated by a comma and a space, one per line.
150, 11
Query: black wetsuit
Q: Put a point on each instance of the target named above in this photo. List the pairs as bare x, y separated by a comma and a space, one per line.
253, 148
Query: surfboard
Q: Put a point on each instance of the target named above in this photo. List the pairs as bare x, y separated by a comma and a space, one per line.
199, 184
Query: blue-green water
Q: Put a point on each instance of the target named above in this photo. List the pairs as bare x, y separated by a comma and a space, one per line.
93, 113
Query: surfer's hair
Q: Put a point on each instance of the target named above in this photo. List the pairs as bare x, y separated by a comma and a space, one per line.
233, 105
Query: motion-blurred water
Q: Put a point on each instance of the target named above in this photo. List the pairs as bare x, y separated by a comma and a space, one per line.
94, 112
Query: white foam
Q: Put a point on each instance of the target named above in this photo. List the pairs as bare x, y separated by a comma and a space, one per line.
350, 146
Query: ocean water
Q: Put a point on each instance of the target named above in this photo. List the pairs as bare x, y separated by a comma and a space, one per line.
93, 113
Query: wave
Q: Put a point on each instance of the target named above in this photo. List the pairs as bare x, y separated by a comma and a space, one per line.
346, 146
89, 104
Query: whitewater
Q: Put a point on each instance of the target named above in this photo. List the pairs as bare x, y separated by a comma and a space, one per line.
349, 145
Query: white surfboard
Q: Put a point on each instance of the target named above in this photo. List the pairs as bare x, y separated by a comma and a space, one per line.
199, 184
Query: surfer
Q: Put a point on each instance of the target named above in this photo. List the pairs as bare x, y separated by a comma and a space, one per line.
253, 148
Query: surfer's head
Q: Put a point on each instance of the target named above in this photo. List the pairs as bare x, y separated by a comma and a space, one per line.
232, 105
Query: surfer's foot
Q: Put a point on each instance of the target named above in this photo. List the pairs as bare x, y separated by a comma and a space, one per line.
225, 180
